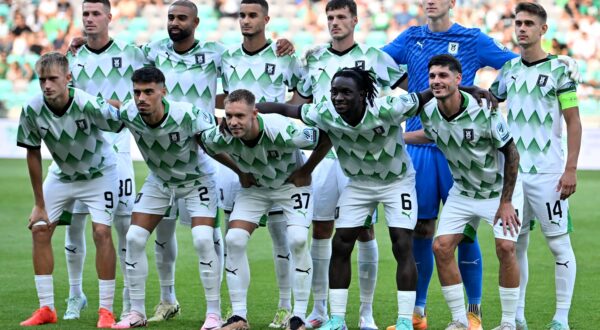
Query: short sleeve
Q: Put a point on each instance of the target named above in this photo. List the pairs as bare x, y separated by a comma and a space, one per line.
212, 141
28, 135
294, 73
491, 52
498, 88
303, 137
499, 130
397, 48
309, 114
388, 72
105, 116
203, 121
404, 107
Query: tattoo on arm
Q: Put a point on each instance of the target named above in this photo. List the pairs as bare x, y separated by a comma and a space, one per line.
511, 170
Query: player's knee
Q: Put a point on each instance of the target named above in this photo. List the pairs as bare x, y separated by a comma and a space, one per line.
203, 243
322, 229
505, 249
442, 248
102, 234
297, 238
560, 245
236, 239
366, 234
424, 229
41, 234
136, 237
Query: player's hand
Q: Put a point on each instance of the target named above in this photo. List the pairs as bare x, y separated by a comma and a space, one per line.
479, 94
247, 180
284, 47
38, 214
309, 52
510, 221
76, 43
567, 183
299, 178
572, 67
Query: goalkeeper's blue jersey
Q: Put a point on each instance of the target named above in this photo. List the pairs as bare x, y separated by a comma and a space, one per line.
417, 45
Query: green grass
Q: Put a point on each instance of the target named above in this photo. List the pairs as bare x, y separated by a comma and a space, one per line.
18, 296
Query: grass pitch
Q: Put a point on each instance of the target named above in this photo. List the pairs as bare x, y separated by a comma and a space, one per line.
18, 296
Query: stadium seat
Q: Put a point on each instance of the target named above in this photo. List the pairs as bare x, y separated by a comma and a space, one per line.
376, 38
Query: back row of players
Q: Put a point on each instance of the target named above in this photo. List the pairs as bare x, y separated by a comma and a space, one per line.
367, 138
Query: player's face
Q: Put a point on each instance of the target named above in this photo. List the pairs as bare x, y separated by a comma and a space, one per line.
95, 18
345, 96
240, 118
529, 29
341, 23
148, 97
443, 82
437, 8
252, 19
53, 82
181, 23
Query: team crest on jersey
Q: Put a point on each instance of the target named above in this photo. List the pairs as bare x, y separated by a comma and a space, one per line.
359, 64
200, 58
468, 134
542, 80
379, 130
453, 48
270, 69
174, 137
81, 124
117, 62
273, 154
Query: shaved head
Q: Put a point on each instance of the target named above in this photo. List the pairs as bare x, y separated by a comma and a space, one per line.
188, 4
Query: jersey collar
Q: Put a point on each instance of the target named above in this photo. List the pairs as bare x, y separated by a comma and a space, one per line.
61, 112
101, 50
342, 53
261, 131
530, 64
196, 42
464, 103
249, 53
162, 120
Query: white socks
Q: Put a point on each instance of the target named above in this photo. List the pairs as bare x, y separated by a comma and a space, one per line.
208, 263
237, 269
455, 298
338, 298
565, 271
281, 255
106, 292
165, 250
406, 304
75, 250
320, 252
298, 242
521, 246
137, 266
508, 300
368, 258
45, 290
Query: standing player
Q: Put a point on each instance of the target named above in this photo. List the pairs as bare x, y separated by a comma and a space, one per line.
321, 66
102, 67
473, 138
255, 66
538, 93
266, 149
69, 122
414, 47
165, 132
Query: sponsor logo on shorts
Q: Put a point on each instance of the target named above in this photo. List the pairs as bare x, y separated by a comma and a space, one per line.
337, 212
137, 198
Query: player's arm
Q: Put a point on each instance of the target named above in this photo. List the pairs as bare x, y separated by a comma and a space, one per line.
416, 137
288, 110
114, 103
298, 99
568, 181
302, 176
284, 47
34, 165
506, 211
220, 100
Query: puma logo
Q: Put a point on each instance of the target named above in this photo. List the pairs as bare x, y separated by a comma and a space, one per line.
474, 262
407, 214
284, 257
565, 264
218, 242
71, 250
231, 271
162, 245
307, 271
209, 264
131, 265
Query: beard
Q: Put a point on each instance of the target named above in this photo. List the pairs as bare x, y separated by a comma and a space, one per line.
183, 34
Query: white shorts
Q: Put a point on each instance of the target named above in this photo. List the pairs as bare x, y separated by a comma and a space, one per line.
254, 202
542, 202
460, 211
328, 181
98, 195
199, 199
360, 199
228, 184
126, 192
